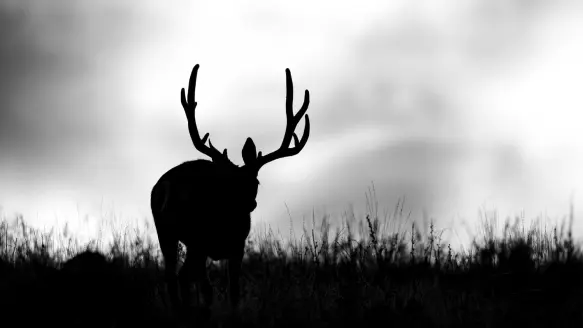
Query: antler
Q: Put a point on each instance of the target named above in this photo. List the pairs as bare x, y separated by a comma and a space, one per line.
292, 121
189, 110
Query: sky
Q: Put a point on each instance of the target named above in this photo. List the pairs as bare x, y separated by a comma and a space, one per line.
460, 106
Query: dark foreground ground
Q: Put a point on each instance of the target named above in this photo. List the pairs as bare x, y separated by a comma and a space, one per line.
524, 280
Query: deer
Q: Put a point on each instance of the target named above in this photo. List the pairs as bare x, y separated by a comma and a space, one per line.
207, 204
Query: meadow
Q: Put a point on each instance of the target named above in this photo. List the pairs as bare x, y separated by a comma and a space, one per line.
364, 272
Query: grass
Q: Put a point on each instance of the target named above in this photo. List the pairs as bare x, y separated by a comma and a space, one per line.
363, 273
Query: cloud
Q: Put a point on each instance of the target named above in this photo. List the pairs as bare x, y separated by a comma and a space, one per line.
60, 109
412, 97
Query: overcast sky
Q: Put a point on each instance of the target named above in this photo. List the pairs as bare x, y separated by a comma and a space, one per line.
456, 105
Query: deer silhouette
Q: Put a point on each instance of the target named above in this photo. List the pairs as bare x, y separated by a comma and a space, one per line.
207, 205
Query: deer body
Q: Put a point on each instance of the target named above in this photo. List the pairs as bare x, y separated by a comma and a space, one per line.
207, 205
178, 200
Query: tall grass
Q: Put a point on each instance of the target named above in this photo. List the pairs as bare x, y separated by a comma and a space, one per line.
364, 271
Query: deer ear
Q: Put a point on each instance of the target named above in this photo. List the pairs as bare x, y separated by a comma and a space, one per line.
249, 152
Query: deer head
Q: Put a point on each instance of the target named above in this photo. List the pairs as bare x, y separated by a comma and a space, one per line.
253, 160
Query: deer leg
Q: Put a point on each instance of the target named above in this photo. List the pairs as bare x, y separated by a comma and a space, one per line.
169, 246
202, 280
234, 273
185, 279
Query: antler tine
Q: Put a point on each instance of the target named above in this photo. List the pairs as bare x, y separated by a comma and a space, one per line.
189, 109
292, 121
